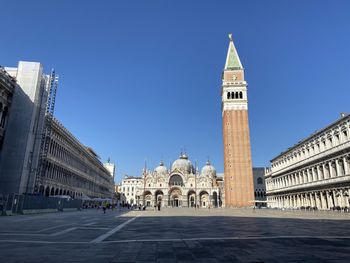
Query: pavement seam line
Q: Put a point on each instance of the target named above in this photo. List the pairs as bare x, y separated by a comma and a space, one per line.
171, 240
100, 238
53, 227
63, 231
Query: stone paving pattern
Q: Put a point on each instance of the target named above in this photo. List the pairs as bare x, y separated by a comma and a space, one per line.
177, 235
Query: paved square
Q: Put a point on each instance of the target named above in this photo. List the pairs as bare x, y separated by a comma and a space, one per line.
177, 235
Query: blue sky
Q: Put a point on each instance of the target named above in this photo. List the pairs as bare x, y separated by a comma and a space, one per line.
141, 79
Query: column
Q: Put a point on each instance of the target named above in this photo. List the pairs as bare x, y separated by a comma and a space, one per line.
318, 203
328, 199
337, 167
325, 175
298, 201
311, 200
341, 201
314, 176
331, 175
335, 198
290, 201
309, 175
346, 167
320, 172
305, 176
323, 201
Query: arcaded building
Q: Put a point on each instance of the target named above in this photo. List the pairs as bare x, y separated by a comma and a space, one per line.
7, 88
31, 163
239, 191
71, 168
179, 186
315, 172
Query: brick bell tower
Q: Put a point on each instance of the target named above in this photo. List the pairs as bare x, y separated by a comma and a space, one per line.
238, 172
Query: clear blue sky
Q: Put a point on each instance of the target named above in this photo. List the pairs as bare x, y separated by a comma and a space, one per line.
141, 79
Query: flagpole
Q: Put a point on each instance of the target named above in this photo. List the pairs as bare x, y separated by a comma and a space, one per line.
144, 182
195, 185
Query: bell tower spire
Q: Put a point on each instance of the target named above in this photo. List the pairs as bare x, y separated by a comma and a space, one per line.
232, 58
238, 172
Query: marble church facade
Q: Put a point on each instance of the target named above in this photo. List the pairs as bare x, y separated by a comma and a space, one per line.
180, 186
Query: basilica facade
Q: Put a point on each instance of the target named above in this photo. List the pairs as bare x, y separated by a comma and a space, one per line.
182, 185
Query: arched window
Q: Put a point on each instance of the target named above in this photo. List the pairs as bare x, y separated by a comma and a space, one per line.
228, 95
236, 95
47, 191
176, 180
241, 95
259, 180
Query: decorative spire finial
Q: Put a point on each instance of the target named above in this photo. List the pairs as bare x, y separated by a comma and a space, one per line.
208, 160
230, 36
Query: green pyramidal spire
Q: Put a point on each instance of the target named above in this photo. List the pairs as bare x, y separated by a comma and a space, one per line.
232, 59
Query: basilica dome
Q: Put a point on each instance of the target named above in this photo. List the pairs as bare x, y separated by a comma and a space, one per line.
183, 164
161, 169
208, 170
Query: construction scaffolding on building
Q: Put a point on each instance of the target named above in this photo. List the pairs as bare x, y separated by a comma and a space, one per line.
46, 134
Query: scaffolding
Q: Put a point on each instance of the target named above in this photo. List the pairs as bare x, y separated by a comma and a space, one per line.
46, 134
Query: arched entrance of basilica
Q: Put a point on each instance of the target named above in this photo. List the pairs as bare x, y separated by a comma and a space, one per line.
159, 197
175, 195
191, 198
215, 199
204, 199
147, 198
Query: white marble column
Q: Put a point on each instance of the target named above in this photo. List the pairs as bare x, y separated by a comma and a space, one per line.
329, 200
346, 166
318, 203
341, 198
325, 175
320, 172
311, 200
305, 176
335, 198
310, 175
337, 167
331, 175
323, 201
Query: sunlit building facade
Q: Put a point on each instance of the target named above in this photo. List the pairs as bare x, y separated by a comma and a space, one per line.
179, 186
314, 173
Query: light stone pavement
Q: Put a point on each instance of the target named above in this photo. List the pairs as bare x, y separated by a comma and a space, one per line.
177, 235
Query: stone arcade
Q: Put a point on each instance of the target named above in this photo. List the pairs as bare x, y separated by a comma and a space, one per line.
315, 172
